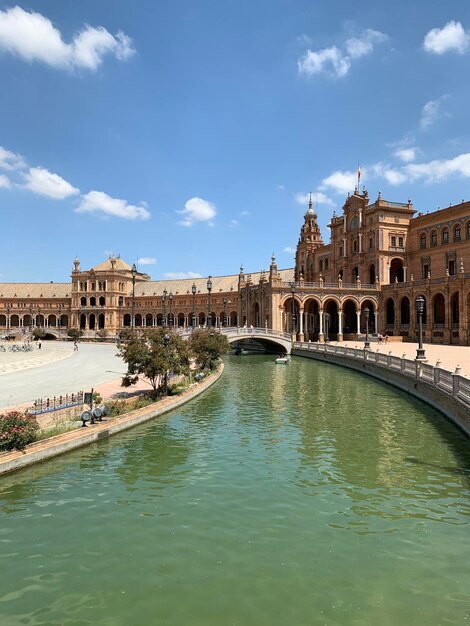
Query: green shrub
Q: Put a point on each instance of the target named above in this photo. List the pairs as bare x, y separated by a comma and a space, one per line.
117, 407
17, 430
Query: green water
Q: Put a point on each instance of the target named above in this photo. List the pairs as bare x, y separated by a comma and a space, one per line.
285, 495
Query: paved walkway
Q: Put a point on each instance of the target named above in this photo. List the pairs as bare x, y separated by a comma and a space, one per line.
15, 361
450, 356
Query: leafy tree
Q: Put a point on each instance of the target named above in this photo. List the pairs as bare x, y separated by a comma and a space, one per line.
39, 333
207, 346
74, 333
17, 429
153, 354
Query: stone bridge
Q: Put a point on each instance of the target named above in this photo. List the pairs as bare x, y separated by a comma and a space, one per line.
264, 335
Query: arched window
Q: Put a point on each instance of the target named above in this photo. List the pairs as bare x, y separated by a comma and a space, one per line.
102, 300
326, 264
120, 301
445, 236
355, 246
422, 240
320, 267
434, 238
468, 230
83, 301
457, 233
93, 301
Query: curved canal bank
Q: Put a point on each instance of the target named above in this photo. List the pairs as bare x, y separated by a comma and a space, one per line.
60, 444
448, 392
299, 494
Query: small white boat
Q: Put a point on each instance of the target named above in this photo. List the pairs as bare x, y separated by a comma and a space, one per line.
282, 360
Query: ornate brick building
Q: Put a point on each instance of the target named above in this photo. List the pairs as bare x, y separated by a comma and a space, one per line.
381, 256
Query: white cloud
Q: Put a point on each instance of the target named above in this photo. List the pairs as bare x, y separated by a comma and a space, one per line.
4, 182
198, 210
10, 160
334, 61
431, 112
281, 188
146, 260
234, 223
178, 275
318, 197
245, 213
451, 38
341, 182
358, 47
406, 154
391, 175
289, 250
440, 169
100, 202
45, 183
329, 60
33, 37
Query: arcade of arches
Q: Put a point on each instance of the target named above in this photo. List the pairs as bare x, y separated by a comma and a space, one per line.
380, 258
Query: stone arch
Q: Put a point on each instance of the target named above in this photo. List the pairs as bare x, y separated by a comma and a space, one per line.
159, 319
83, 301
202, 318
457, 232
26, 320
396, 270
52, 320
92, 321
232, 318
138, 320
404, 310
14, 320
102, 301
445, 236
372, 274
64, 320
101, 321
92, 301
120, 301
180, 320
39, 320
148, 319
454, 308
255, 315
331, 318
423, 241
439, 309
127, 319
311, 318
433, 238
390, 312
371, 305
3, 320
349, 316
83, 321
291, 320
467, 230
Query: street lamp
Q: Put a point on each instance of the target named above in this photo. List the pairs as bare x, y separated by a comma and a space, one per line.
367, 342
59, 306
30, 318
225, 311
327, 327
170, 320
193, 290
133, 272
8, 318
164, 306
292, 290
39, 317
420, 353
209, 289
166, 341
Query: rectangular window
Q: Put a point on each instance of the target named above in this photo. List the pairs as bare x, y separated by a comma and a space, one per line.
393, 242
451, 268
400, 242
425, 270
371, 244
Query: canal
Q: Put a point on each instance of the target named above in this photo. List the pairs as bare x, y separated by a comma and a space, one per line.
291, 494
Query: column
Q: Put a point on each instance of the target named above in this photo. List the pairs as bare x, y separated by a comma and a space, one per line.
340, 324
301, 329
376, 319
360, 242
321, 336
358, 318
282, 321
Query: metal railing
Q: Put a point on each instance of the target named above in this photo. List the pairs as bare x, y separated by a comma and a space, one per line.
46, 405
451, 383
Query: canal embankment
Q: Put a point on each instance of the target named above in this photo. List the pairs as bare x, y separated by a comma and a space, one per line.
60, 444
446, 391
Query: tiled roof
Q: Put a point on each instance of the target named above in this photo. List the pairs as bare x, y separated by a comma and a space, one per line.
35, 290
119, 264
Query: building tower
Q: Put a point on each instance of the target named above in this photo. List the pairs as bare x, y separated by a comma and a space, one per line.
309, 240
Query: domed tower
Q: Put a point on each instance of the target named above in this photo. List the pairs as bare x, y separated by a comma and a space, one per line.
309, 240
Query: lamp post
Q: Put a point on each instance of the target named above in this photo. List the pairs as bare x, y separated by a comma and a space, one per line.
193, 291
209, 289
8, 318
166, 341
164, 306
292, 290
170, 319
133, 272
59, 306
327, 327
30, 318
225, 312
420, 353
39, 317
367, 342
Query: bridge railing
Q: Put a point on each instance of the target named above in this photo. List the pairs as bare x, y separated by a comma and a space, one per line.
451, 383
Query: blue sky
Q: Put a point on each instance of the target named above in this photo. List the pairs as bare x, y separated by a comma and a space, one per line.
186, 135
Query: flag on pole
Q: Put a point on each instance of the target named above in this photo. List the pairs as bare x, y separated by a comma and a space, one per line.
358, 173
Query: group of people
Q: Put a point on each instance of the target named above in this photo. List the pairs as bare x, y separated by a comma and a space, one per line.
383, 338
